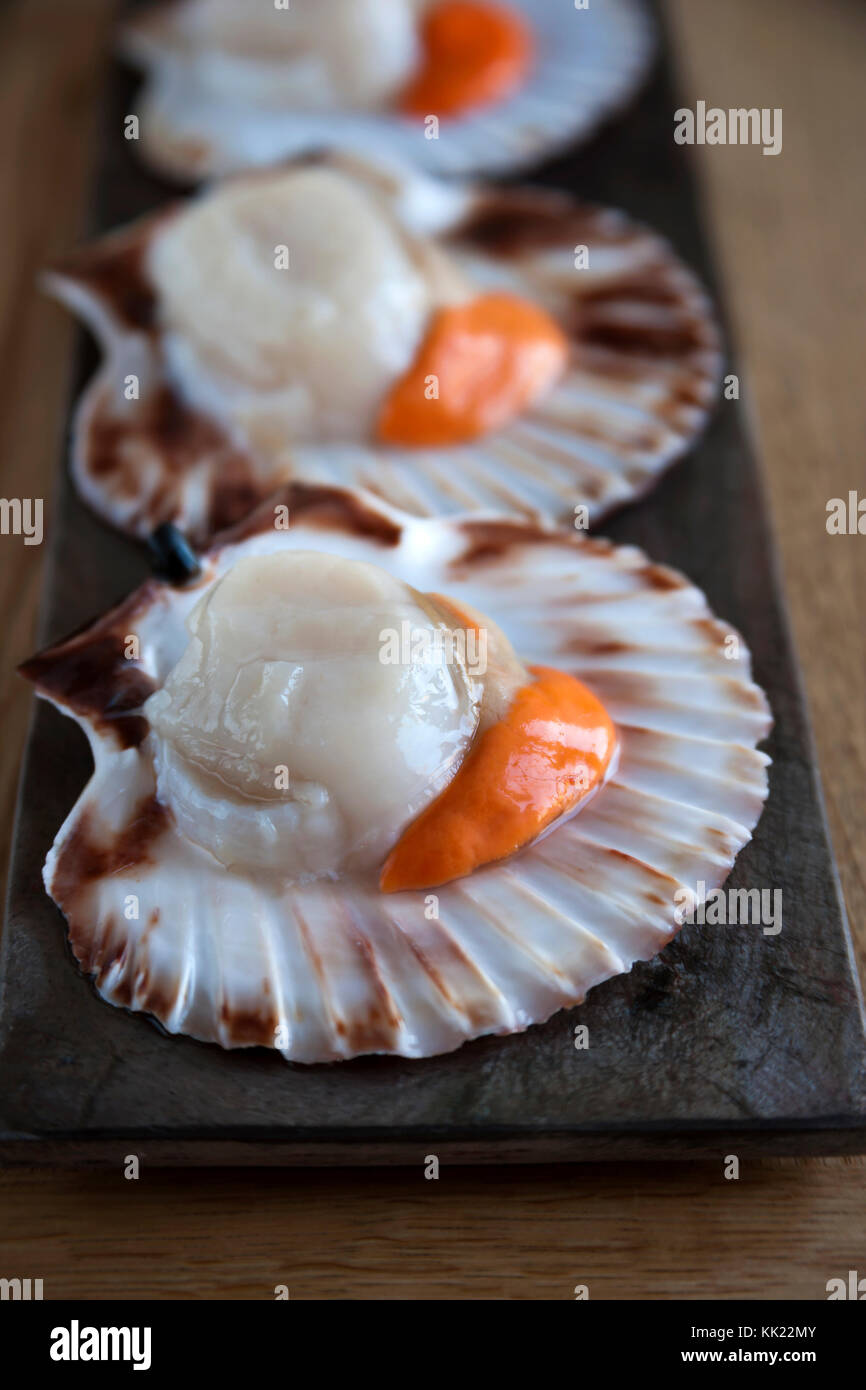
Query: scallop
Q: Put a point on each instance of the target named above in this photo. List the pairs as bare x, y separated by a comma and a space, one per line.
259, 948
254, 745
253, 335
233, 84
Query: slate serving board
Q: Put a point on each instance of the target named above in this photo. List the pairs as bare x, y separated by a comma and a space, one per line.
730, 1041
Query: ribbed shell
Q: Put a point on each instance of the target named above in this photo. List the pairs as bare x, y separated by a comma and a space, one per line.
589, 64
335, 969
643, 375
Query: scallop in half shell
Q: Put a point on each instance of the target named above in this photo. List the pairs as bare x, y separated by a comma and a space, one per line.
228, 372
328, 967
233, 84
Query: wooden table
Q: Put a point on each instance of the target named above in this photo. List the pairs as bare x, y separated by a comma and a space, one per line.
789, 234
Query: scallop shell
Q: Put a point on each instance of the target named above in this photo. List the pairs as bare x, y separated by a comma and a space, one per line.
329, 970
590, 63
643, 376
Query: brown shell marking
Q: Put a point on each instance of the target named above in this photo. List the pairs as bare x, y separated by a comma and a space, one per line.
89, 854
325, 508
371, 1030
102, 946
115, 270
164, 427
90, 674
453, 975
250, 1027
514, 224
489, 541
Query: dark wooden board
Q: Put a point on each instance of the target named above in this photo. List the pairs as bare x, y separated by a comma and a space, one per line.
730, 1041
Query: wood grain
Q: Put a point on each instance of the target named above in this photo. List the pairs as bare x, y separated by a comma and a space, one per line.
654, 1232
52, 59
788, 230
789, 233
